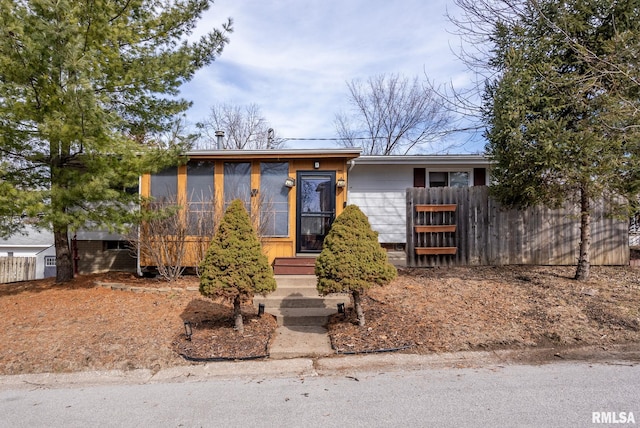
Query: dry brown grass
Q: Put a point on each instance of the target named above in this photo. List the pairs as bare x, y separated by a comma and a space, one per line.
454, 309
46, 327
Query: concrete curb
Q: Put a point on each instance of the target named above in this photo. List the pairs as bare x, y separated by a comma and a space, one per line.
352, 365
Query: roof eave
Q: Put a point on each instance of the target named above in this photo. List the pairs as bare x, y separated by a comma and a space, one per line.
275, 154
477, 160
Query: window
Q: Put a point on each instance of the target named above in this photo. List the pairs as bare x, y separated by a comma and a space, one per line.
49, 261
237, 183
438, 179
274, 199
448, 179
459, 179
200, 198
115, 245
164, 186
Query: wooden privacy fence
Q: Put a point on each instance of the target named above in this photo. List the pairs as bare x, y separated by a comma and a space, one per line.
448, 226
13, 269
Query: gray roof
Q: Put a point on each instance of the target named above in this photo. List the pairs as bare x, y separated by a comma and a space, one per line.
31, 237
449, 159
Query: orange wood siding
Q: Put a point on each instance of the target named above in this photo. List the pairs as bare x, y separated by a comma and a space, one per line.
273, 247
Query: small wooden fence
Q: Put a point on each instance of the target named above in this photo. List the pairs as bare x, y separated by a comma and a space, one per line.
450, 226
13, 269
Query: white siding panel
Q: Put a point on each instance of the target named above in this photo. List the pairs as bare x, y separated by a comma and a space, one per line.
380, 178
386, 212
380, 192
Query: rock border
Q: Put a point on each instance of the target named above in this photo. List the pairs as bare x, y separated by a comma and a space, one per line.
134, 289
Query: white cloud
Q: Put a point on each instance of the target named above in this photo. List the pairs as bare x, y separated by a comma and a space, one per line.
293, 58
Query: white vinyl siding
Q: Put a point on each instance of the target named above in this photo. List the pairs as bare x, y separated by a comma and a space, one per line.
380, 190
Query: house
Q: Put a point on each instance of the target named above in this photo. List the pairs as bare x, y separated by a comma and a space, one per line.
33, 243
292, 194
101, 251
378, 185
92, 252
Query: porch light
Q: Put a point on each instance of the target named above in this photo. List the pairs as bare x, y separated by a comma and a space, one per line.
340, 183
187, 329
290, 182
260, 309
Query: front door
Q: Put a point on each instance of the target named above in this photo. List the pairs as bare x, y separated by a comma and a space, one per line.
316, 209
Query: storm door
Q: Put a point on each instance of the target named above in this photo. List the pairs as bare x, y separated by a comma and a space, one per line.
316, 209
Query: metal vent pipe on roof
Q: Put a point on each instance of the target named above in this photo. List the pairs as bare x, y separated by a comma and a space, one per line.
219, 137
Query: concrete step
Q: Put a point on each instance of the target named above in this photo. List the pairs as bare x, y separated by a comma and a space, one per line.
283, 292
302, 316
296, 280
296, 301
301, 301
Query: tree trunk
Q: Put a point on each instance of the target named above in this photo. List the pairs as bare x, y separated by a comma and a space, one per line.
584, 264
64, 263
237, 314
357, 304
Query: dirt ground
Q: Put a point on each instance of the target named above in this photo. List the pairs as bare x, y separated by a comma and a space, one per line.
86, 326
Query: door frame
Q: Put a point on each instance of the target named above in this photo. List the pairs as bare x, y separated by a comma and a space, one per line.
330, 214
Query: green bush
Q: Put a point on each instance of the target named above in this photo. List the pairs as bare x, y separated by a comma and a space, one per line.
234, 266
352, 260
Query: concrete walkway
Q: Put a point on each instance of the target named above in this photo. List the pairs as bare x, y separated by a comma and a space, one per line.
302, 315
300, 341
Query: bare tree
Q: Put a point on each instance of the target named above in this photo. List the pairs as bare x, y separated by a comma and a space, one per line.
392, 114
161, 237
244, 128
170, 234
202, 219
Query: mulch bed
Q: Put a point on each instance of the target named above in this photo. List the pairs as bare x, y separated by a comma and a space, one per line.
455, 309
46, 327
214, 337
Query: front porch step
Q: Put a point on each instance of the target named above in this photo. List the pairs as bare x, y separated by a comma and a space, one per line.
299, 301
302, 316
307, 281
294, 266
296, 302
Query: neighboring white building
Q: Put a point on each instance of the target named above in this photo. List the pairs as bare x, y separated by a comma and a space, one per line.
33, 243
378, 184
92, 251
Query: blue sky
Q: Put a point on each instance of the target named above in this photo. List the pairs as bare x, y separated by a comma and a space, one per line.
293, 58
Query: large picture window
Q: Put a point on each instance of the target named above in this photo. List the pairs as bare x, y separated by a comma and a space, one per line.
164, 186
237, 183
200, 197
274, 199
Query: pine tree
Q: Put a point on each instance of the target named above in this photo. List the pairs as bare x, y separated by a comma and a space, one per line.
562, 115
352, 260
235, 267
85, 87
